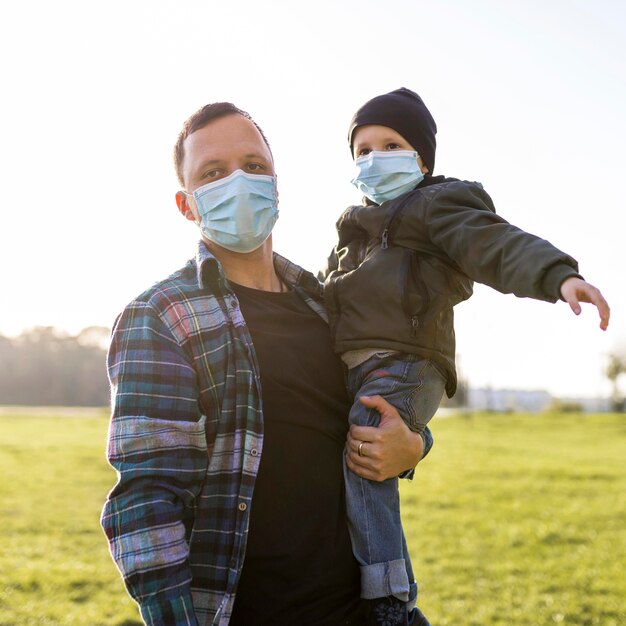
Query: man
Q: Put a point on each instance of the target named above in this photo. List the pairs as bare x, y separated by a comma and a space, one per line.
229, 509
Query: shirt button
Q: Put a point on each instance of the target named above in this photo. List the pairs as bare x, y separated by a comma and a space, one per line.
233, 304
242, 506
254, 452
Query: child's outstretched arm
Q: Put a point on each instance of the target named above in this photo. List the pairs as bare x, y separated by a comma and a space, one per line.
575, 290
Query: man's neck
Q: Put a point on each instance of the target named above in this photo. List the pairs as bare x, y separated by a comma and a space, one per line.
255, 269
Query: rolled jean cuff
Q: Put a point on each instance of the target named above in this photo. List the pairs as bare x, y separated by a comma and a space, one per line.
385, 579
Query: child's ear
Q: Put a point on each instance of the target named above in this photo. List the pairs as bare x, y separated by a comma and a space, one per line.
183, 206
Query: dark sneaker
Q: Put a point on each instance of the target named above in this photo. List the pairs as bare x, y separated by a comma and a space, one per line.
387, 611
416, 618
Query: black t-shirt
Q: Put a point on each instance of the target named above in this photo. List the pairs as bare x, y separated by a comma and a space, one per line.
299, 567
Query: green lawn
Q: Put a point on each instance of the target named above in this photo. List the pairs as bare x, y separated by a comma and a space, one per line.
54, 562
521, 520
512, 520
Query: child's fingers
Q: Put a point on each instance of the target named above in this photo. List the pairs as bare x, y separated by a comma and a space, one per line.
574, 305
602, 305
576, 290
591, 294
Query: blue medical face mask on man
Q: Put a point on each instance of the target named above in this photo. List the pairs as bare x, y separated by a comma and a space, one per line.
386, 175
238, 212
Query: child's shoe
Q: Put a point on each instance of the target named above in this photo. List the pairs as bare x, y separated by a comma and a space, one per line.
416, 618
388, 611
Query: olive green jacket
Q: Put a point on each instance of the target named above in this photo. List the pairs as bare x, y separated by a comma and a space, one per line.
399, 268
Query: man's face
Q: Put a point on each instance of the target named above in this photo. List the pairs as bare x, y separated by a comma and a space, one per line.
380, 139
218, 149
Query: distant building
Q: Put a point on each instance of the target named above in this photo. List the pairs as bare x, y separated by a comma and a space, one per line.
527, 400
509, 400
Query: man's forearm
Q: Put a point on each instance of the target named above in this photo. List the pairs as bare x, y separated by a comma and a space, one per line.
157, 444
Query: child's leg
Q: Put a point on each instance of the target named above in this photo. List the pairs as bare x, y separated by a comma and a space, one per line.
409, 572
415, 388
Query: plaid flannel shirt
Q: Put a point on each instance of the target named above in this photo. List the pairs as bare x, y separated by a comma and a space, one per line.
185, 437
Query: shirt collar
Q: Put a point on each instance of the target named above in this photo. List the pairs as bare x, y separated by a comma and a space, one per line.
208, 268
209, 272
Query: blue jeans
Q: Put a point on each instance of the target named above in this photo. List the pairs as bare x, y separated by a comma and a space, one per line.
414, 386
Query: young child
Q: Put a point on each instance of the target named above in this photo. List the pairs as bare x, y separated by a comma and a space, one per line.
403, 261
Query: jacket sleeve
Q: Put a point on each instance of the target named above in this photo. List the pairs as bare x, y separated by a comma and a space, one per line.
427, 437
461, 222
351, 244
332, 263
157, 444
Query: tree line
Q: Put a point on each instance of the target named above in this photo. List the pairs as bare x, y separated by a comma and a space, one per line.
46, 366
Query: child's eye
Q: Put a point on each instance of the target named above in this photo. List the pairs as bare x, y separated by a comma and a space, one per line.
393, 146
363, 152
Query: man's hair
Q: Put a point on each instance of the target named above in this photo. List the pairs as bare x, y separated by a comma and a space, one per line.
200, 119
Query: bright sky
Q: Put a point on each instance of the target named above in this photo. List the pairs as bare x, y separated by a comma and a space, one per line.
529, 97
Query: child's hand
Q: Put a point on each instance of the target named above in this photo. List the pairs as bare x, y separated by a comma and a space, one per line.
383, 451
576, 290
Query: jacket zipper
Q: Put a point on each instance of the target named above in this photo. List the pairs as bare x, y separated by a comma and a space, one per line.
390, 219
411, 276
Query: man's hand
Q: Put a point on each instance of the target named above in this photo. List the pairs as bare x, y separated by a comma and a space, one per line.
386, 450
576, 290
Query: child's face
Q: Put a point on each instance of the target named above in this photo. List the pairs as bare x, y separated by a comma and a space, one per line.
373, 137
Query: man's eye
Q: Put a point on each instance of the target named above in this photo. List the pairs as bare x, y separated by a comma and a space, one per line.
255, 167
212, 174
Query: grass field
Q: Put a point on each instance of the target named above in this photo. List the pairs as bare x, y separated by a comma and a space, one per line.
512, 520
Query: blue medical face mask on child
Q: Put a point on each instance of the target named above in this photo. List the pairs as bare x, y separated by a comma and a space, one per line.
386, 175
238, 212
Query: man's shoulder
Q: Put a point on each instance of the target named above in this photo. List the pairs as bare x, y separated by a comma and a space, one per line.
180, 285
191, 280
182, 295
181, 306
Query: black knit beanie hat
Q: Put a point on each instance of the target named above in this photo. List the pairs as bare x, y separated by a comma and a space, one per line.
405, 112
